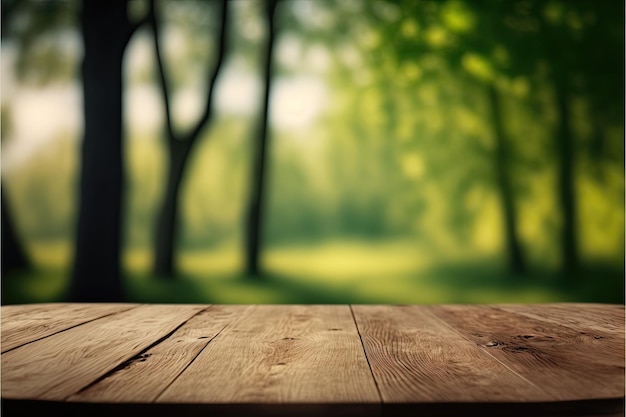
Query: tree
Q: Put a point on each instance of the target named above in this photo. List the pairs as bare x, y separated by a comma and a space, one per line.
449, 31
501, 157
13, 254
566, 183
257, 184
571, 49
180, 146
96, 273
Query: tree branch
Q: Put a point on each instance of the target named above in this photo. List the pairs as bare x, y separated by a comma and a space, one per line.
162, 77
132, 28
8, 9
221, 48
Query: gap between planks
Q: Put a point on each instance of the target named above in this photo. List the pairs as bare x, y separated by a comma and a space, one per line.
566, 362
281, 355
430, 313
101, 390
416, 359
47, 370
138, 356
250, 308
43, 323
166, 359
369, 365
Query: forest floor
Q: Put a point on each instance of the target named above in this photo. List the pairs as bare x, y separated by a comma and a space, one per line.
337, 273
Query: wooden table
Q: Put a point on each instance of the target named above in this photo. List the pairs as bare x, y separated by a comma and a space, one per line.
84, 359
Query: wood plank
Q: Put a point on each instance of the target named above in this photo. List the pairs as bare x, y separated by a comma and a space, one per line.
416, 358
60, 365
24, 324
283, 355
566, 363
144, 377
583, 317
14, 310
11, 312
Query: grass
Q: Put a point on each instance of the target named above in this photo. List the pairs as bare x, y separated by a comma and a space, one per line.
339, 272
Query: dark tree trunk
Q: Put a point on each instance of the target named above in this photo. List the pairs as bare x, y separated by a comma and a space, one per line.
513, 247
96, 274
566, 183
566, 192
13, 255
167, 227
180, 146
257, 183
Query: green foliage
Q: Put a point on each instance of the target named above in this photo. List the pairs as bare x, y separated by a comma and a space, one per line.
390, 192
46, 36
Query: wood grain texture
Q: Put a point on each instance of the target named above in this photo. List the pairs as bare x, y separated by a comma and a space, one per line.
144, 377
567, 363
24, 324
518, 360
14, 310
415, 357
281, 354
583, 317
60, 365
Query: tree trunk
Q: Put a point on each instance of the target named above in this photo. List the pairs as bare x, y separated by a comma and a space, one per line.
566, 182
255, 209
179, 146
566, 192
13, 255
96, 274
167, 227
513, 247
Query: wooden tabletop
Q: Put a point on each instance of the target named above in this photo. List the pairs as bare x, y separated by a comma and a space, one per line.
542, 359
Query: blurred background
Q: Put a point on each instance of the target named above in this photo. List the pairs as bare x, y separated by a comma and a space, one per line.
410, 152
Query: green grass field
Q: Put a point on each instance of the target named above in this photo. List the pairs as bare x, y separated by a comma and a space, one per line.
340, 272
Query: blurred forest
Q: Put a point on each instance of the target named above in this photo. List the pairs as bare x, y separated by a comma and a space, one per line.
295, 151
